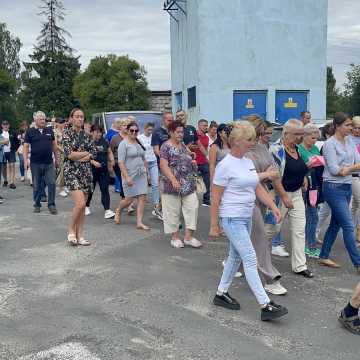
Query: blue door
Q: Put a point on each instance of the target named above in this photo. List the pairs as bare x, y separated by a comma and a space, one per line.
289, 105
249, 102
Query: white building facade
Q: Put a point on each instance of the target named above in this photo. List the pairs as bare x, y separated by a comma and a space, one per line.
237, 57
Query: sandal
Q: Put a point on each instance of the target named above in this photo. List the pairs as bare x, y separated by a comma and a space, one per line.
351, 323
71, 238
143, 227
84, 242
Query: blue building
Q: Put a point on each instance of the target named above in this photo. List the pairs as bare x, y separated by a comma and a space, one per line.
236, 57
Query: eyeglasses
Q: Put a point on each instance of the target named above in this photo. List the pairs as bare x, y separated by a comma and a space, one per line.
134, 131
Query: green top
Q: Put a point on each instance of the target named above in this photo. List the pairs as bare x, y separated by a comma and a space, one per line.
306, 154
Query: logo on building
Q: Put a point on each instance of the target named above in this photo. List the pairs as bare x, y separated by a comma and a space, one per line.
249, 104
290, 104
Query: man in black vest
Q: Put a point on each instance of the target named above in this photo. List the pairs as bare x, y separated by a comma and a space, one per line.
42, 158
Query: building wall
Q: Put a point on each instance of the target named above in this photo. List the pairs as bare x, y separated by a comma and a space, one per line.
253, 45
161, 101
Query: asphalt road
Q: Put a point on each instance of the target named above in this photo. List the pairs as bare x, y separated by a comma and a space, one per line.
131, 296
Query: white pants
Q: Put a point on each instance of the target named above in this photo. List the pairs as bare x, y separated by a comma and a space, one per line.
297, 230
356, 200
324, 213
172, 205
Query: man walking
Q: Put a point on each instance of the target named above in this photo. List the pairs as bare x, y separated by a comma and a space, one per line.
3, 142
202, 161
10, 149
43, 152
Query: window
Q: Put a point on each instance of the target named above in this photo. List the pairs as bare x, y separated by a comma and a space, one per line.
178, 99
192, 97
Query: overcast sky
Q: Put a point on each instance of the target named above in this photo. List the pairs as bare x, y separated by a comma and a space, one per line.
141, 29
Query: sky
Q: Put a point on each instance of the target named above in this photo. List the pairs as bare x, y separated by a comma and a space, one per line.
140, 29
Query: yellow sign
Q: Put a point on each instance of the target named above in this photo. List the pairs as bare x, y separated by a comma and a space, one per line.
250, 104
290, 104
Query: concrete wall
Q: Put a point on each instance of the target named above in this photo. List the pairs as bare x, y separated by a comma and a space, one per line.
251, 45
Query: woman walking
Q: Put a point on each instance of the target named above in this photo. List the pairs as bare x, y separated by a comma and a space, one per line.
178, 188
59, 130
235, 187
310, 153
79, 154
21, 137
342, 159
132, 163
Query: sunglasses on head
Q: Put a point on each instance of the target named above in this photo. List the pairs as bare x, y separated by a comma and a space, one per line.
134, 130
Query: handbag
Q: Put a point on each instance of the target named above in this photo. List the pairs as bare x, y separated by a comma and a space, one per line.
200, 186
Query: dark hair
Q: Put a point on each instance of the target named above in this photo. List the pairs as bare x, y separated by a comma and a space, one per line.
213, 124
202, 120
59, 120
128, 126
327, 130
149, 124
340, 118
97, 127
304, 112
220, 129
174, 125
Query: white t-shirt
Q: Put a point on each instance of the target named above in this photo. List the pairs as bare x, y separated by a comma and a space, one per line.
6, 135
240, 179
149, 152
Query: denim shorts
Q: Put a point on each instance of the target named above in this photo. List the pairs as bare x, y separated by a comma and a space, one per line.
9, 157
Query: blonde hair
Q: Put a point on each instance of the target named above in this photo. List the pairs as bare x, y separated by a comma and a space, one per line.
310, 129
255, 120
292, 124
242, 130
356, 120
120, 121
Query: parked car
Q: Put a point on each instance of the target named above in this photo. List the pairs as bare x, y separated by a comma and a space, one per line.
142, 117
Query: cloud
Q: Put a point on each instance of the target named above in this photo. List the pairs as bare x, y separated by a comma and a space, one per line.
140, 28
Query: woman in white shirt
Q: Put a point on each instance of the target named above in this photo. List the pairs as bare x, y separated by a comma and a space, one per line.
235, 188
152, 168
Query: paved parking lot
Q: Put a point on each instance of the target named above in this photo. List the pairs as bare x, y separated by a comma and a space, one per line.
131, 296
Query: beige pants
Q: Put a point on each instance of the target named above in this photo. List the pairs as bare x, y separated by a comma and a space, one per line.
172, 205
356, 200
297, 230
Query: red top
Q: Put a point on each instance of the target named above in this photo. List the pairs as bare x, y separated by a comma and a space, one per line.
200, 157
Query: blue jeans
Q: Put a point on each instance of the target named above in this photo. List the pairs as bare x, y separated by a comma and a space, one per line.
338, 197
270, 219
154, 178
312, 219
43, 174
21, 165
241, 250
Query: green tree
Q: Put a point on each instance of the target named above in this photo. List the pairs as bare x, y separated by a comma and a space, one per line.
112, 83
352, 89
48, 78
9, 51
7, 96
332, 93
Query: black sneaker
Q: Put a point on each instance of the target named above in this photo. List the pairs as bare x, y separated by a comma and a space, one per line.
352, 323
272, 311
5, 184
206, 203
12, 186
226, 301
36, 209
53, 210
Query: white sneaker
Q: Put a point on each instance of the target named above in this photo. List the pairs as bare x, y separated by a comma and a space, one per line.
22, 179
279, 251
195, 243
63, 193
176, 243
276, 288
87, 211
238, 274
109, 214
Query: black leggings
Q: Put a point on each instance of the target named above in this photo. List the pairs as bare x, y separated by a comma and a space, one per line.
118, 175
101, 176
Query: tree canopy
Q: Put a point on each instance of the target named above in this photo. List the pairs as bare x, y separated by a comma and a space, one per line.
112, 83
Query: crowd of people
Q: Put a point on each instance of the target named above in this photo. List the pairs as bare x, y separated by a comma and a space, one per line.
249, 185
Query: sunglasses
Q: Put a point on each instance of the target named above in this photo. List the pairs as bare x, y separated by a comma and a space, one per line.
134, 131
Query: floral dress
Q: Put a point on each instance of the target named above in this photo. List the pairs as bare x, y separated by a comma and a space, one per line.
181, 165
77, 175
